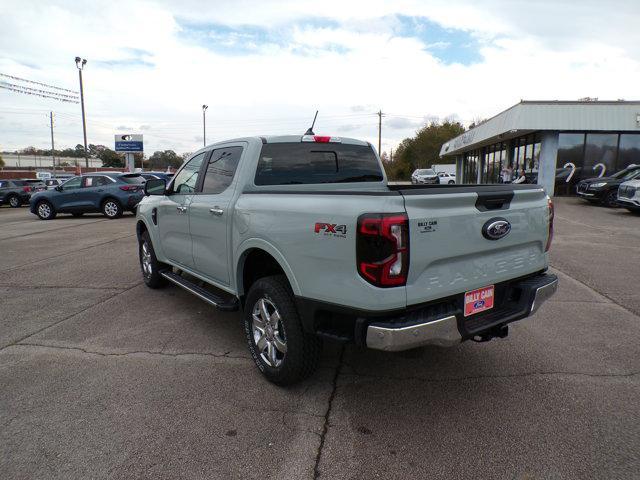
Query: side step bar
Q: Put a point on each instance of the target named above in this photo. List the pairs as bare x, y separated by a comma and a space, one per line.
230, 304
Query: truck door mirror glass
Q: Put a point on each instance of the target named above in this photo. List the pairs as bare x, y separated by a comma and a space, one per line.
155, 186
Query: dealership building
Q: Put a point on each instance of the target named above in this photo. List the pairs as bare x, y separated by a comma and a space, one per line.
556, 143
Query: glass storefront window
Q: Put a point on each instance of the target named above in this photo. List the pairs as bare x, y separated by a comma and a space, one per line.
600, 152
629, 153
570, 151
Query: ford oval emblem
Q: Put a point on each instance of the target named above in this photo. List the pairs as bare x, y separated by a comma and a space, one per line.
496, 228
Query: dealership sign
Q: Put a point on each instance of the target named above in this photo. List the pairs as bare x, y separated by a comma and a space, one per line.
129, 143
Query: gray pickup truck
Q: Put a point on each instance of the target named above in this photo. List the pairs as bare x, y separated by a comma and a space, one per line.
304, 235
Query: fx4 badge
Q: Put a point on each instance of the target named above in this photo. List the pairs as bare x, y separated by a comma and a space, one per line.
331, 229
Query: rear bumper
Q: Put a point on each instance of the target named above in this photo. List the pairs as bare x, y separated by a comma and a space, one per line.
440, 322
525, 299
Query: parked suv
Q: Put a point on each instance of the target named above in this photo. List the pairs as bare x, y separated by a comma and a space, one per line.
605, 189
14, 192
303, 234
425, 175
629, 195
109, 193
447, 178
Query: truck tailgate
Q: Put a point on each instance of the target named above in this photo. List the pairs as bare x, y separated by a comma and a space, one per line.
449, 254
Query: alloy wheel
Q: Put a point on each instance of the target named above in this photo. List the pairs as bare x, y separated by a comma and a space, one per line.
44, 210
147, 268
14, 202
268, 332
111, 209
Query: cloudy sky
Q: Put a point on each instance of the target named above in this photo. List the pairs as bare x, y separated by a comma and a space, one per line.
264, 67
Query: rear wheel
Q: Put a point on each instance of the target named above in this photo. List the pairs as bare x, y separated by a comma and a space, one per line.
451, 182
282, 351
45, 210
111, 209
610, 199
149, 263
14, 201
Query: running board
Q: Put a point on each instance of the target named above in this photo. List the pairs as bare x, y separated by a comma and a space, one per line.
226, 304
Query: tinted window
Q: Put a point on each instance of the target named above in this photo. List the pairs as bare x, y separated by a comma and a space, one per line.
97, 181
185, 181
72, 183
134, 179
428, 171
19, 183
221, 168
305, 163
600, 153
629, 153
3, 184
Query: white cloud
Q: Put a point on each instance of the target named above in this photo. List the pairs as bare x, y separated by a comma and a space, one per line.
346, 59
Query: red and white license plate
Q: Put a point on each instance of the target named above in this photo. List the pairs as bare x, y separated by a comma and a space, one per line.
479, 300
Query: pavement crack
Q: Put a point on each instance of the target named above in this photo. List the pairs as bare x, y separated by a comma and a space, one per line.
31, 334
129, 353
325, 425
355, 373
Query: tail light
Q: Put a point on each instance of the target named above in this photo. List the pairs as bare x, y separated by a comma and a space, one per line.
382, 249
27, 189
551, 215
129, 188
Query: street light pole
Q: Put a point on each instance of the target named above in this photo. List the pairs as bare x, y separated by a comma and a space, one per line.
80, 63
204, 125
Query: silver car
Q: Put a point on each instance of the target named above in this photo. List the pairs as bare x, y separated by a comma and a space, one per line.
629, 195
425, 176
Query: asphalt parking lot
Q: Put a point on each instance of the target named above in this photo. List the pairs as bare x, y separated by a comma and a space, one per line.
102, 377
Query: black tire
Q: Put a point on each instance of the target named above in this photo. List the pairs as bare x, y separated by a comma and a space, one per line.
77, 214
45, 210
111, 209
452, 182
634, 210
150, 271
303, 350
14, 201
610, 199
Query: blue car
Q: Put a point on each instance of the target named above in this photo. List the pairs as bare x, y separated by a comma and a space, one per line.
106, 192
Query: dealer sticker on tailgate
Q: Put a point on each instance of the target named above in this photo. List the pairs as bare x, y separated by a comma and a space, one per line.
479, 300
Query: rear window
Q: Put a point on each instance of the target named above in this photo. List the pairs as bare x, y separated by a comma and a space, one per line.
308, 163
134, 179
19, 183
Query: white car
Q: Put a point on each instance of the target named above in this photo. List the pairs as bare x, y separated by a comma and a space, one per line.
629, 195
425, 175
447, 178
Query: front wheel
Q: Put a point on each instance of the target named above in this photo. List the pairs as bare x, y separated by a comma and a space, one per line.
111, 209
452, 182
283, 352
45, 210
610, 199
149, 264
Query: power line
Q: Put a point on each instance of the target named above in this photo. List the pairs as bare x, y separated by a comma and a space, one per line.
38, 83
29, 91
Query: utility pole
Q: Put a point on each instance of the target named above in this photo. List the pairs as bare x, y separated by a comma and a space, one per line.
53, 148
379, 131
391, 156
204, 125
80, 63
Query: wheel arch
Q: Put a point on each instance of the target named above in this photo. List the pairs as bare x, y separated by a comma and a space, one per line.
256, 259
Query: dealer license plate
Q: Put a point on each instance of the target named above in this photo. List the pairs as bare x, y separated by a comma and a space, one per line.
479, 300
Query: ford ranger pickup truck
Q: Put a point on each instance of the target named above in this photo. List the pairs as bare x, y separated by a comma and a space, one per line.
305, 237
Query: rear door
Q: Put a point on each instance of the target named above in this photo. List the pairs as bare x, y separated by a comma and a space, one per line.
449, 254
210, 215
173, 216
93, 186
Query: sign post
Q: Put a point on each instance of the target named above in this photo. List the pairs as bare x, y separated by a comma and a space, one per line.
129, 144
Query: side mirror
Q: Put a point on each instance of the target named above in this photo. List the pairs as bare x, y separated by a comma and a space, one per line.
59, 188
155, 186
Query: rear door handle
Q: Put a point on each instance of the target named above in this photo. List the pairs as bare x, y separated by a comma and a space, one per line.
181, 209
216, 211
